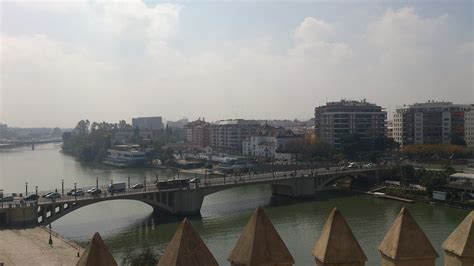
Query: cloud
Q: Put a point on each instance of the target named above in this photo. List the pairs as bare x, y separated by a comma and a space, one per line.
405, 28
402, 57
313, 30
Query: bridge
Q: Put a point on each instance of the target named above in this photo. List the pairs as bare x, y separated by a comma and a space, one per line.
182, 201
15, 144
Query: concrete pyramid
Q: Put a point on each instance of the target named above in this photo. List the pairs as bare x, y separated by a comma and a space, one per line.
187, 248
337, 244
96, 254
405, 240
260, 244
461, 240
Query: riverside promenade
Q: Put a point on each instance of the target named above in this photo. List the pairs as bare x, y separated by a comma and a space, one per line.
30, 246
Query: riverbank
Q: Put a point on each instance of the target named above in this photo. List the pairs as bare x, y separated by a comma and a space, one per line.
31, 247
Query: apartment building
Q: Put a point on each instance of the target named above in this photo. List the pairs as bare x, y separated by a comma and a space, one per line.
469, 127
336, 120
227, 135
198, 133
431, 122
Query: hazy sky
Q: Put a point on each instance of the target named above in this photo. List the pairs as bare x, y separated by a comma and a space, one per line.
62, 62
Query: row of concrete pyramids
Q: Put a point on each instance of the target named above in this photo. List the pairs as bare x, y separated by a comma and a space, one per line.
259, 244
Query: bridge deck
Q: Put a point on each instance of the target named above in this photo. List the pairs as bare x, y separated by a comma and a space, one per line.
232, 181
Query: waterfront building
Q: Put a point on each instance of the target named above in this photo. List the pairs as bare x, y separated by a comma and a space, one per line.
469, 127
227, 135
198, 133
431, 122
148, 123
125, 156
269, 142
336, 120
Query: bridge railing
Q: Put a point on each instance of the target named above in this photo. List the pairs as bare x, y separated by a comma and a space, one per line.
152, 187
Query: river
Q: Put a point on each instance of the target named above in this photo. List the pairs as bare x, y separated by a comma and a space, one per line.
131, 225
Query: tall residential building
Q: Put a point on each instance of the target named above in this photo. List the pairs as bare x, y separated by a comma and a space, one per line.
336, 120
431, 122
198, 133
227, 135
469, 127
148, 123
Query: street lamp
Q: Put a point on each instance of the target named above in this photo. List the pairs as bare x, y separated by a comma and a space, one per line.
112, 187
144, 182
50, 239
62, 187
36, 187
96, 182
26, 188
75, 194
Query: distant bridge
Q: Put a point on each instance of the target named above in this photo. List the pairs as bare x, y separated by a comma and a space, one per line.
14, 144
177, 201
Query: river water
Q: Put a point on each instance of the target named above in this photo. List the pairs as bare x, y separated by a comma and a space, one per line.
131, 225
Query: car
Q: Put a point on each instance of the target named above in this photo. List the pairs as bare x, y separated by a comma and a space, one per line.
6, 199
137, 186
53, 195
353, 166
69, 193
78, 192
47, 194
95, 191
31, 197
195, 180
91, 190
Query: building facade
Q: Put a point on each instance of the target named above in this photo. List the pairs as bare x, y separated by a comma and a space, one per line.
270, 144
148, 123
336, 120
469, 127
431, 123
227, 135
198, 133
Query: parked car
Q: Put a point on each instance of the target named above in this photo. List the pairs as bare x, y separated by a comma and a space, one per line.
6, 199
137, 186
31, 197
90, 190
79, 192
53, 195
69, 193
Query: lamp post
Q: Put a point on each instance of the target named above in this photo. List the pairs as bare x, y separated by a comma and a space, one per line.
75, 194
144, 182
112, 187
50, 239
26, 188
62, 187
36, 187
128, 182
96, 182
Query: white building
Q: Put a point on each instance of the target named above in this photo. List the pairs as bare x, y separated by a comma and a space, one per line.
469, 128
148, 123
270, 145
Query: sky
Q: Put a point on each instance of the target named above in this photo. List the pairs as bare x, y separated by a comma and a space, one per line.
63, 61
